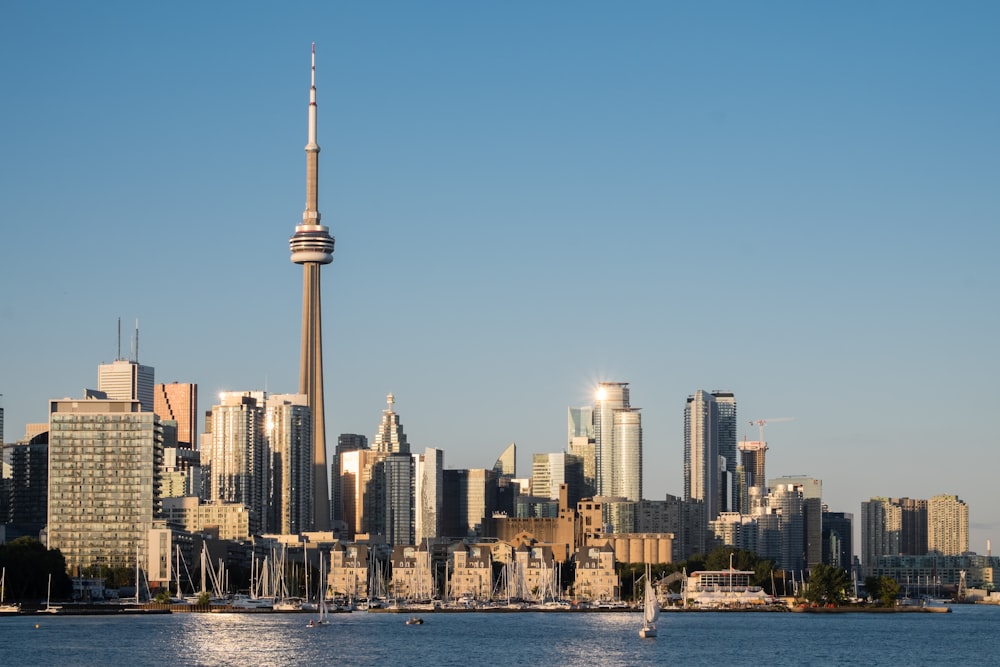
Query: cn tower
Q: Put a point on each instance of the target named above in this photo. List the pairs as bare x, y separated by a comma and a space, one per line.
312, 247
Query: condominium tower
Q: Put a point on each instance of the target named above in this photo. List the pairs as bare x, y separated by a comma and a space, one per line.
618, 443
947, 525
104, 463
234, 452
288, 429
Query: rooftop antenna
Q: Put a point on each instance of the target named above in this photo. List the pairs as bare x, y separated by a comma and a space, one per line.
136, 360
119, 355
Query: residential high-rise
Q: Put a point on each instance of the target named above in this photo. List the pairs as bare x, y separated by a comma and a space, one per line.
312, 247
124, 380
234, 453
913, 526
947, 525
752, 474
881, 525
178, 401
618, 443
104, 463
701, 452
288, 427
28, 486
812, 514
725, 402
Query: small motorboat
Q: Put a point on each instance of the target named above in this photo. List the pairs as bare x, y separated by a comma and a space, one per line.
414, 620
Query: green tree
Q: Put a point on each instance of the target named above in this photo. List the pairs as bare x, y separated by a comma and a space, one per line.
826, 584
882, 589
29, 565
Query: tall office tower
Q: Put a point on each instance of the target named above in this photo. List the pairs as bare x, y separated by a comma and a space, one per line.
551, 471
725, 403
390, 437
104, 481
346, 442
359, 489
124, 380
881, 525
288, 425
312, 247
947, 525
618, 443
752, 465
838, 531
178, 401
580, 423
586, 449
429, 495
812, 514
471, 498
506, 465
701, 452
234, 453
913, 526
396, 520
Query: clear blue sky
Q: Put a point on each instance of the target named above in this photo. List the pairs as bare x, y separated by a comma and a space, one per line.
794, 201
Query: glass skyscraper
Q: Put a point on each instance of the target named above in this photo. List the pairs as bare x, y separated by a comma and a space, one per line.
618, 443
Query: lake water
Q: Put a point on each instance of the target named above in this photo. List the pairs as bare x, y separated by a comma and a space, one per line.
968, 635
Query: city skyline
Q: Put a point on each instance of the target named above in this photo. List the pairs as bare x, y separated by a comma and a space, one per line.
797, 206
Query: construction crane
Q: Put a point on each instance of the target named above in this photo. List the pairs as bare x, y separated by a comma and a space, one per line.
760, 423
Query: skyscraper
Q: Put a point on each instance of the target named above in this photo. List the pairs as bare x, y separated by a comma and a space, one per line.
346, 442
235, 454
288, 427
390, 437
753, 474
104, 463
124, 380
429, 492
725, 402
881, 526
312, 247
947, 525
618, 443
178, 401
701, 452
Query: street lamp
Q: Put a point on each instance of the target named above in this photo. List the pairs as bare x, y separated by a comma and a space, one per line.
731, 554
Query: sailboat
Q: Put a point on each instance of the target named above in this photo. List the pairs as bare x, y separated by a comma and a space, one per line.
6, 608
650, 609
49, 607
322, 619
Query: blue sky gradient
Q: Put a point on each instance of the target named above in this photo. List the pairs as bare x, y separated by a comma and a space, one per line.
793, 201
